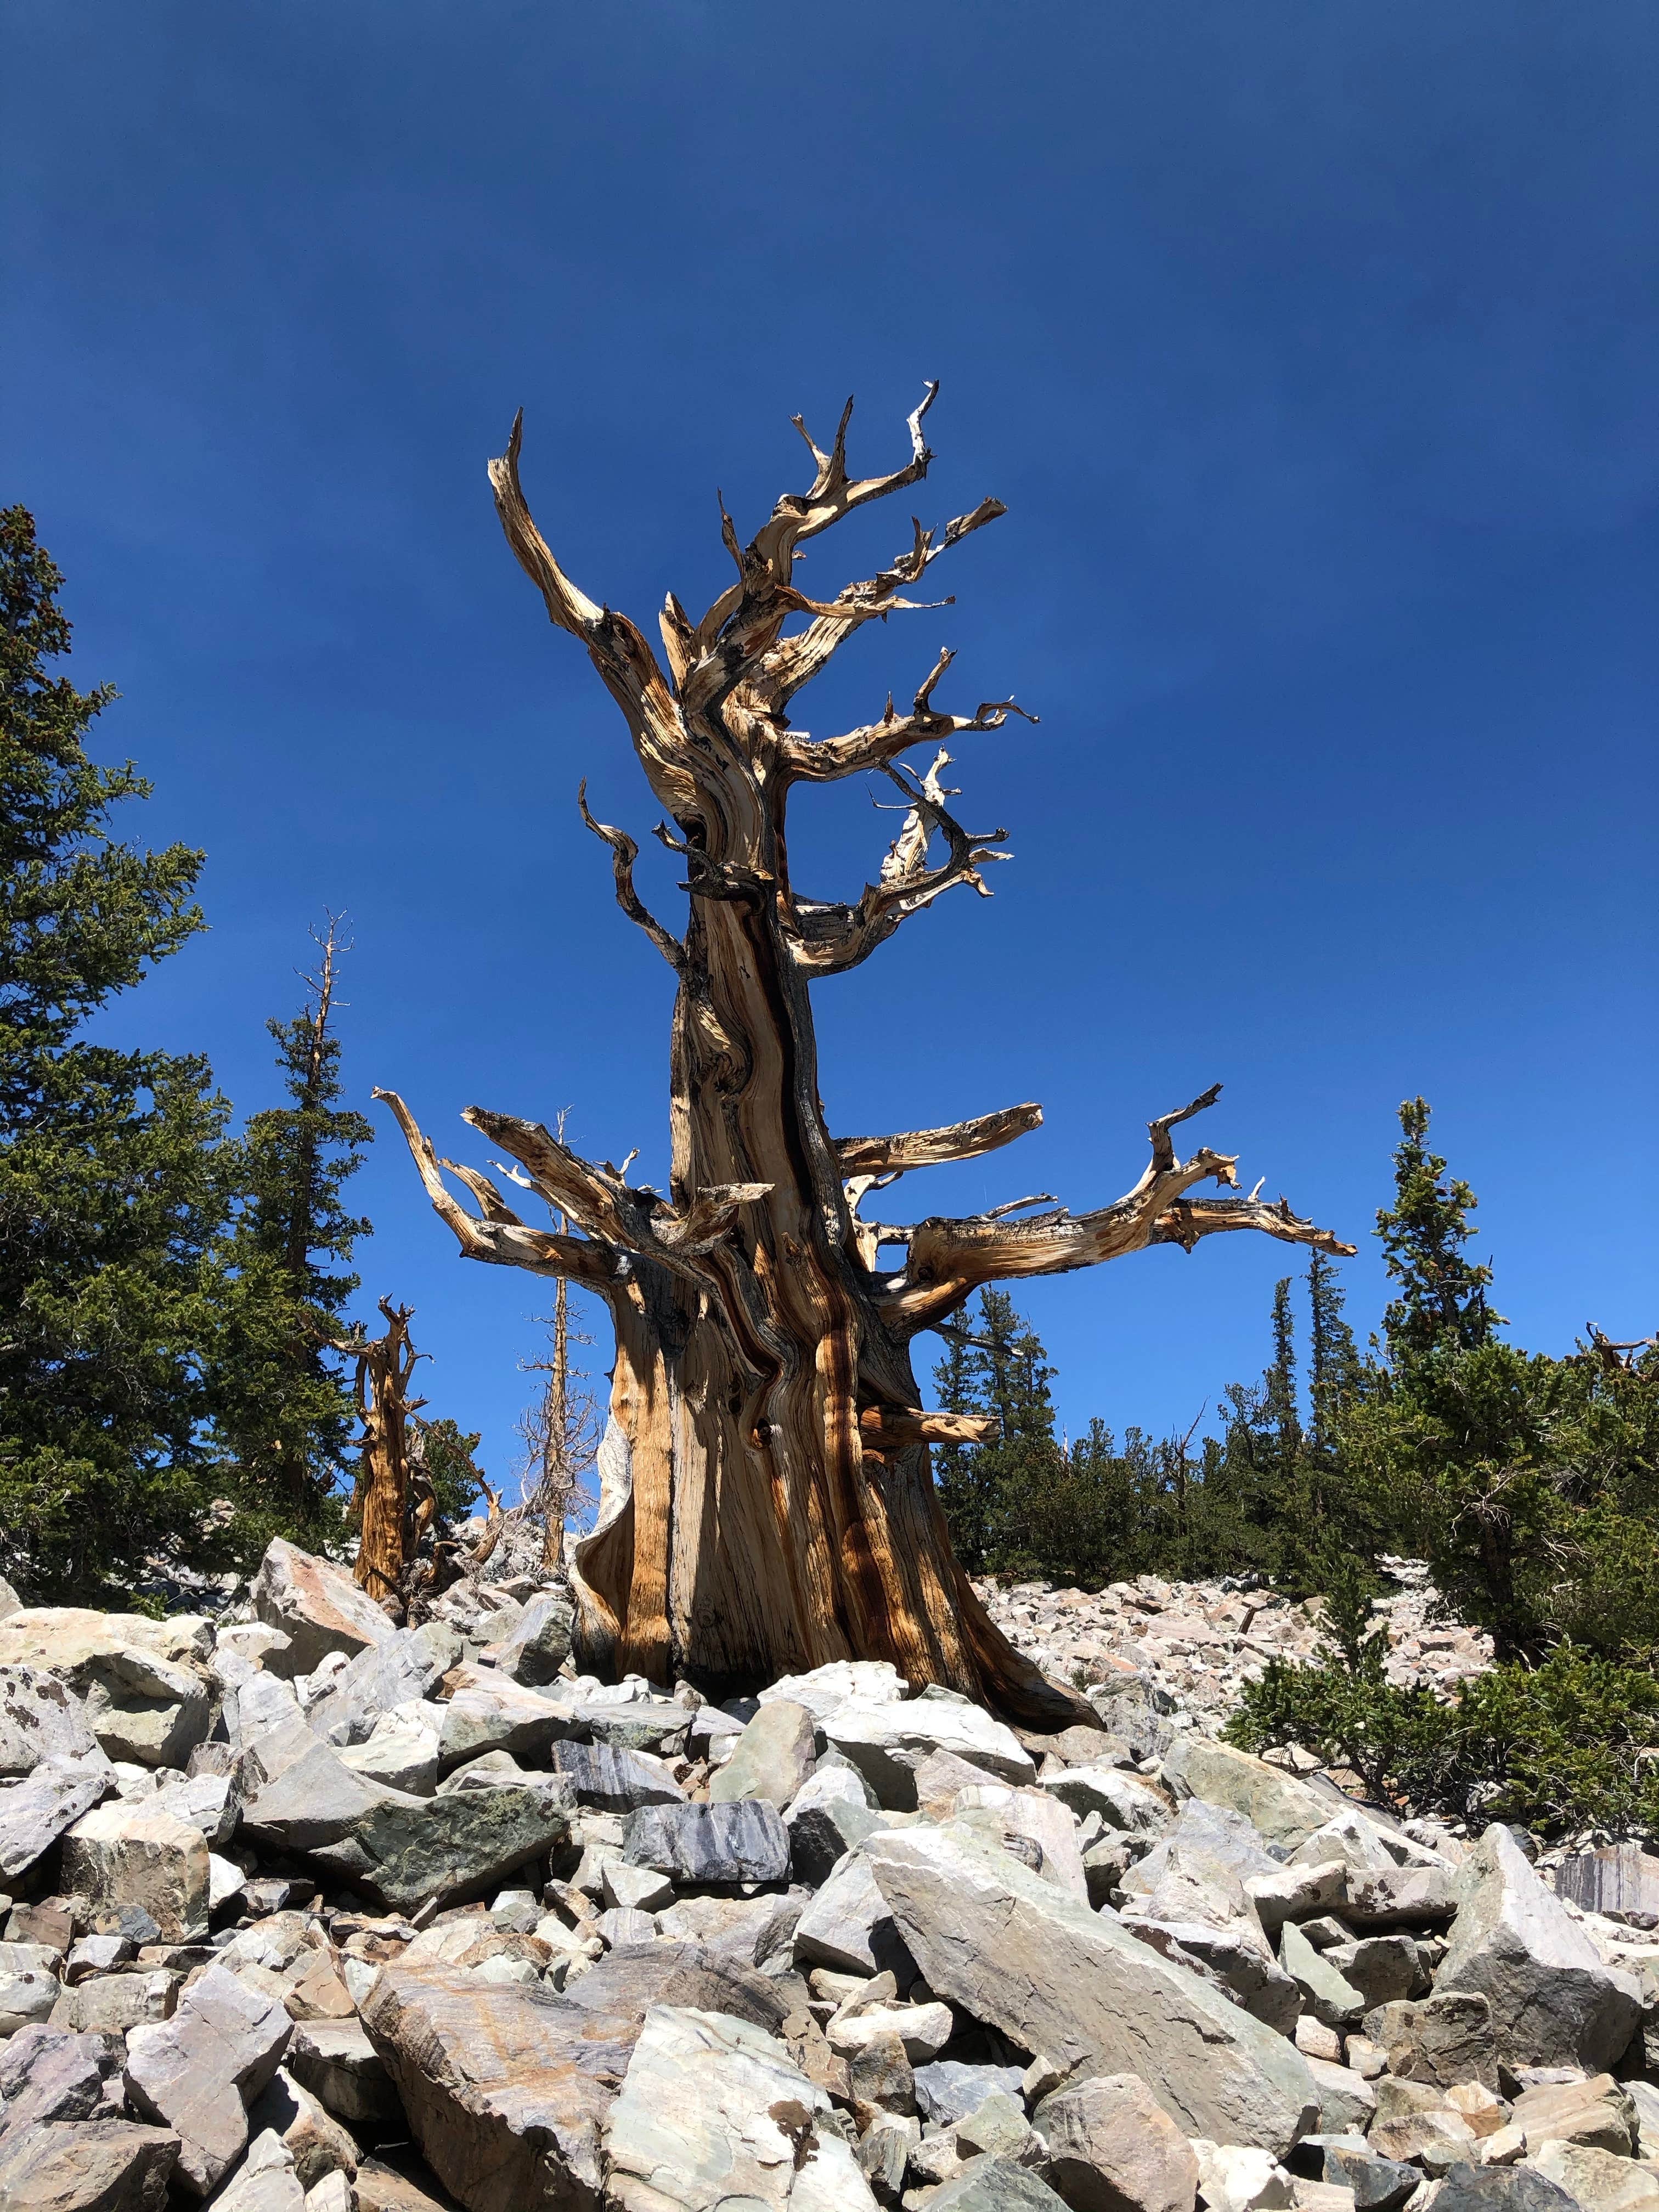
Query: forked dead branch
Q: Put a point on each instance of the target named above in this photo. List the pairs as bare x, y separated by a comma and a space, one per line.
766, 1500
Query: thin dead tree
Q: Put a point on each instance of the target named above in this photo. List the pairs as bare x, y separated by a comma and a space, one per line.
382, 1505
766, 1501
559, 1430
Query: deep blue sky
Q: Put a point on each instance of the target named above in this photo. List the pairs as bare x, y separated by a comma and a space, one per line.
1314, 349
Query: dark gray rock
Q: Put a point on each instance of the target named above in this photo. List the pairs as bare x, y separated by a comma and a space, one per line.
1501, 2189
1379, 2185
648, 1724
949, 2089
746, 1841
616, 1781
1383, 1968
995, 2184
829, 1816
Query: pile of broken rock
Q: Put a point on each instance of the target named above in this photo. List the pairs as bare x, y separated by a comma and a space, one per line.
307, 1912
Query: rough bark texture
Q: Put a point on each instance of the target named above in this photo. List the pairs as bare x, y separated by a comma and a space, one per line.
384, 1364
767, 1503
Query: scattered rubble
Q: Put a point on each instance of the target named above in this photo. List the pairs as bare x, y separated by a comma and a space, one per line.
307, 1911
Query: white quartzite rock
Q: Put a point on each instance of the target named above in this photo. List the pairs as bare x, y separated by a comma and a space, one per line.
772, 1758
1554, 2001
1279, 1807
1055, 1978
713, 2113
887, 1742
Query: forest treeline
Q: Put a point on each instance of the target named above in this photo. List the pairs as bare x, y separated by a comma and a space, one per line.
176, 1378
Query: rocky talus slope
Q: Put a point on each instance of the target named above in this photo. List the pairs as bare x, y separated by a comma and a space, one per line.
306, 1911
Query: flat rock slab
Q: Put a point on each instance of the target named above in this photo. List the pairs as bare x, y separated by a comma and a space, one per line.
849, 1925
1026, 1959
887, 1742
1554, 2001
741, 1841
506, 2088
490, 1711
318, 1608
1280, 1808
92, 2166
34, 1812
1621, 1881
714, 2112
39, 1716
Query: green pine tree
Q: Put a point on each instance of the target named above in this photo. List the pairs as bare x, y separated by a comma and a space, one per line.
112, 1182
1333, 1376
284, 1410
1442, 1302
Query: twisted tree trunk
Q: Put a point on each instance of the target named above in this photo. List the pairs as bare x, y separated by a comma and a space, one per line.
380, 1507
767, 1503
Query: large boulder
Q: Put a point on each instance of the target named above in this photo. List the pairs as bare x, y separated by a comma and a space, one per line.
35, 1812
40, 1718
490, 1711
318, 1608
148, 1697
841, 1682
138, 1854
90, 2165
714, 2112
828, 1815
849, 1926
407, 1665
887, 1742
538, 1643
744, 1841
1281, 1809
1026, 1959
506, 2086
403, 1851
1112, 2147
773, 1758
198, 2072
1554, 2000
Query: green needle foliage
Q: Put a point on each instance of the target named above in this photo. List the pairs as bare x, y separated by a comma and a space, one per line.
111, 1184
284, 1410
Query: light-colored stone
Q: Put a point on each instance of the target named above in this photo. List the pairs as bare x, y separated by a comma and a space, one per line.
114, 2004
403, 1669
1297, 1893
146, 1696
923, 2029
1123, 1800
1442, 2038
1279, 1807
998, 1810
843, 1681
1043, 1970
1599, 2181
317, 1606
1325, 1992
315, 2140
538, 1643
1112, 2147
1239, 2178
122, 1854
404, 1759
849, 1924
887, 1742
1553, 2001
1346, 2099
40, 1715
86, 2166
829, 1815
772, 1757
198, 2072
490, 1711
714, 2113
1598, 2112
264, 2182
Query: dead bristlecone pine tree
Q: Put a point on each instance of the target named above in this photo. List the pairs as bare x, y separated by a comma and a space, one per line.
766, 1502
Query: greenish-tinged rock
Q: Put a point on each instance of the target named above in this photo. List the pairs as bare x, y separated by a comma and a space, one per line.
773, 1757
1279, 1807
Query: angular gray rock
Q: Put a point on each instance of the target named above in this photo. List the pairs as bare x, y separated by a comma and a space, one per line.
47, 2074
90, 2165
1112, 2147
316, 2140
950, 2088
35, 1812
490, 1711
773, 1758
1379, 2185
1502, 2189
746, 1841
146, 1698
1599, 2181
616, 1781
538, 1643
198, 2072
1621, 1882
407, 1665
1554, 2001
841, 1682
39, 1715
714, 2112
121, 1855
887, 1742
1279, 1807
264, 2182
318, 1607
1326, 1992
995, 2184
830, 1814
849, 1926
1040, 1967
336, 2061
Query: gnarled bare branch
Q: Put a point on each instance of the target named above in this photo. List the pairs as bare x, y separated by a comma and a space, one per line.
829, 940
950, 1258
879, 743
932, 1148
889, 1428
502, 1238
624, 853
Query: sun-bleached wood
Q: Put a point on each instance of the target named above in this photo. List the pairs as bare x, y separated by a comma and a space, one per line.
766, 1500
